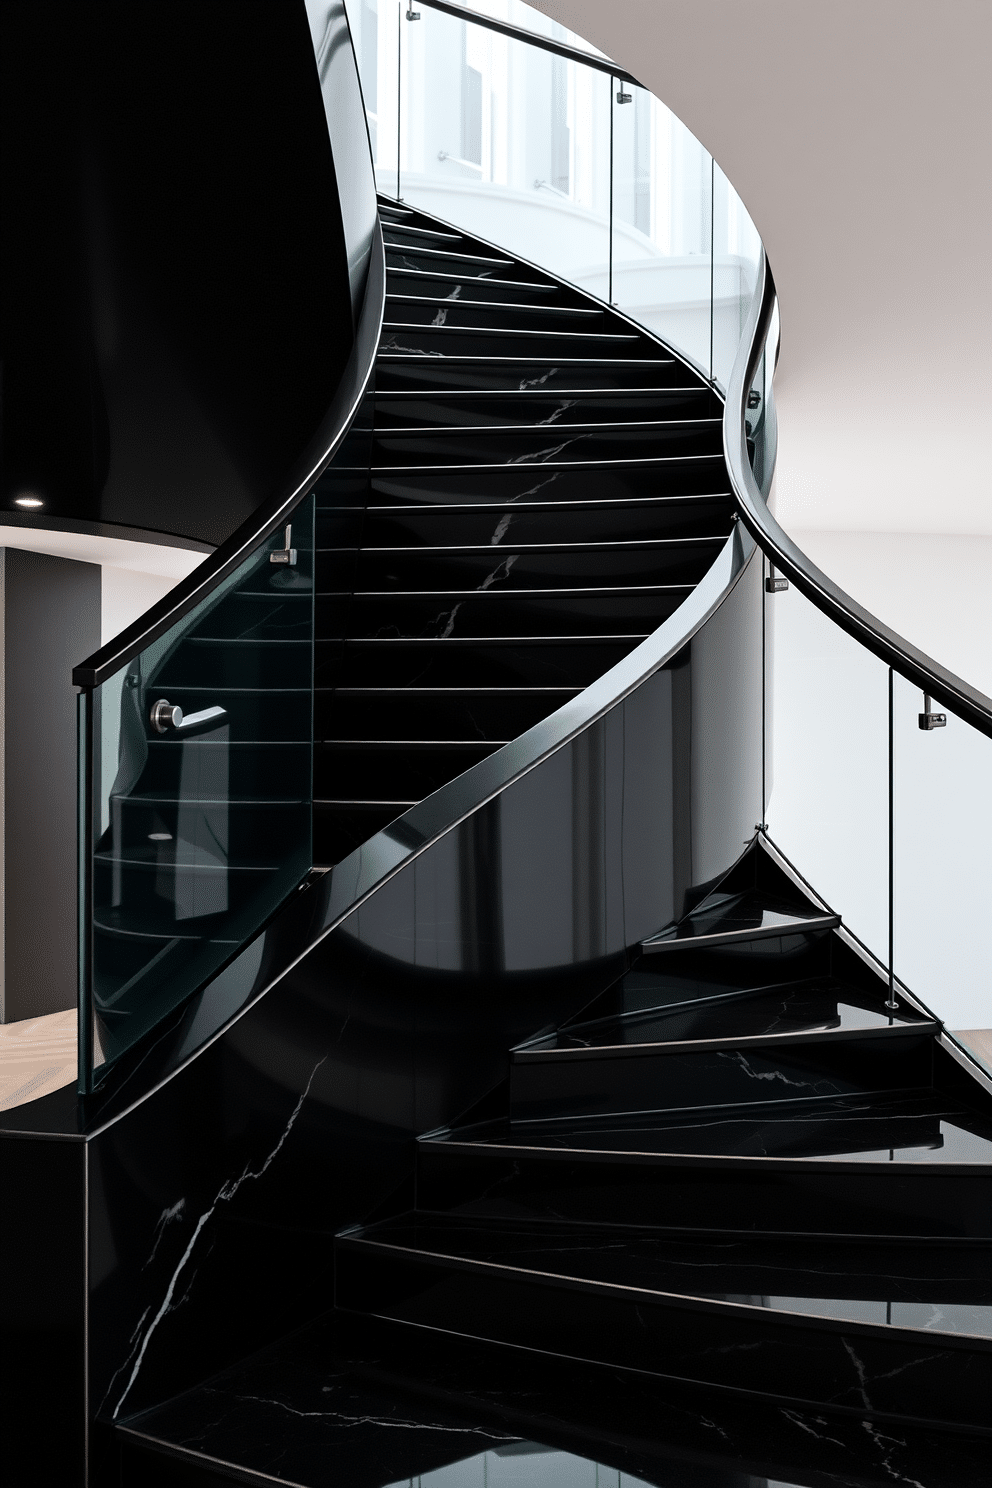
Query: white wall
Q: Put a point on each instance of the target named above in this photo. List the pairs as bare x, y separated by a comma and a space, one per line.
134, 574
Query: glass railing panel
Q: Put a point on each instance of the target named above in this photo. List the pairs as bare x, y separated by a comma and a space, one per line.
509, 142
377, 35
943, 864
736, 260
827, 761
662, 224
199, 755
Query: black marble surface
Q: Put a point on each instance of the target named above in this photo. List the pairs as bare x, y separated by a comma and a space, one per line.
940, 1287
920, 1126
892, 1373
741, 916
817, 1005
371, 1403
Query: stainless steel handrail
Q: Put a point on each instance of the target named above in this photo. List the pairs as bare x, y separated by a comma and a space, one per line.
532, 38
273, 514
914, 665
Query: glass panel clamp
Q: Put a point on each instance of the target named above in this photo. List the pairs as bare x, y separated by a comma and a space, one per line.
930, 720
287, 553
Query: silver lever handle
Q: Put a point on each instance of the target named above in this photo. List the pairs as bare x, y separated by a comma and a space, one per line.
164, 715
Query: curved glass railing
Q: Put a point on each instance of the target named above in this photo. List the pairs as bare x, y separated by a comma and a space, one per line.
559, 156
877, 760
196, 723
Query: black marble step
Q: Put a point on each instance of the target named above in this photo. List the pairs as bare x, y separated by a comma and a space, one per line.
581, 444
399, 338
713, 1078
486, 285
682, 479
501, 525
803, 1358
418, 256
531, 661
462, 308
880, 1128
404, 232
515, 567
726, 918
941, 1286
372, 1403
813, 1008
398, 371
808, 1181
496, 525
533, 408
566, 612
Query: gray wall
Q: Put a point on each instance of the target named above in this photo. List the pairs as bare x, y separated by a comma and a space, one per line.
49, 617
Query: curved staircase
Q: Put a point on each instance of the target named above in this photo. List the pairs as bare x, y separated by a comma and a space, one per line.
736, 1168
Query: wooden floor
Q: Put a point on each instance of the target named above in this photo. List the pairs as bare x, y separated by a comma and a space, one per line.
37, 1056
979, 1042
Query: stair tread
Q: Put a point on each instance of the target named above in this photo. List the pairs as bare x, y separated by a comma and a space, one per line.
940, 1287
743, 916
815, 1005
905, 1127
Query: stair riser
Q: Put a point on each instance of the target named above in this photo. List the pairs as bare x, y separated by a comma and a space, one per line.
503, 568
520, 446
529, 314
462, 666
749, 1196
542, 1088
560, 412
879, 1375
513, 371
676, 478
510, 523
499, 288
392, 716
498, 615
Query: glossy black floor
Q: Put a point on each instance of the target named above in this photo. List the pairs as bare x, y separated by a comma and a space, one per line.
547, 484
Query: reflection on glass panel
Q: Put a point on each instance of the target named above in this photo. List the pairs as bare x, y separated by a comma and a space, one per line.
506, 141
736, 255
201, 759
943, 861
827, 762
662, 189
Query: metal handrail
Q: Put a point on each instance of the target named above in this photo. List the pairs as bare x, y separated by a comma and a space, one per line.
275, 513
914, 665
532, 38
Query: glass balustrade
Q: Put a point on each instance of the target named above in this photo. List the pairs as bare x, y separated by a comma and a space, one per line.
573, 168
195, 794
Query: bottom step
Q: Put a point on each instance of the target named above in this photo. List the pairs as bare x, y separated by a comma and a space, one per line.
545, 1288
363, 1403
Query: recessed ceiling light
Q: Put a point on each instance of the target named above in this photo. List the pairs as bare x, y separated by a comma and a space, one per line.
159, 836
31, 502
